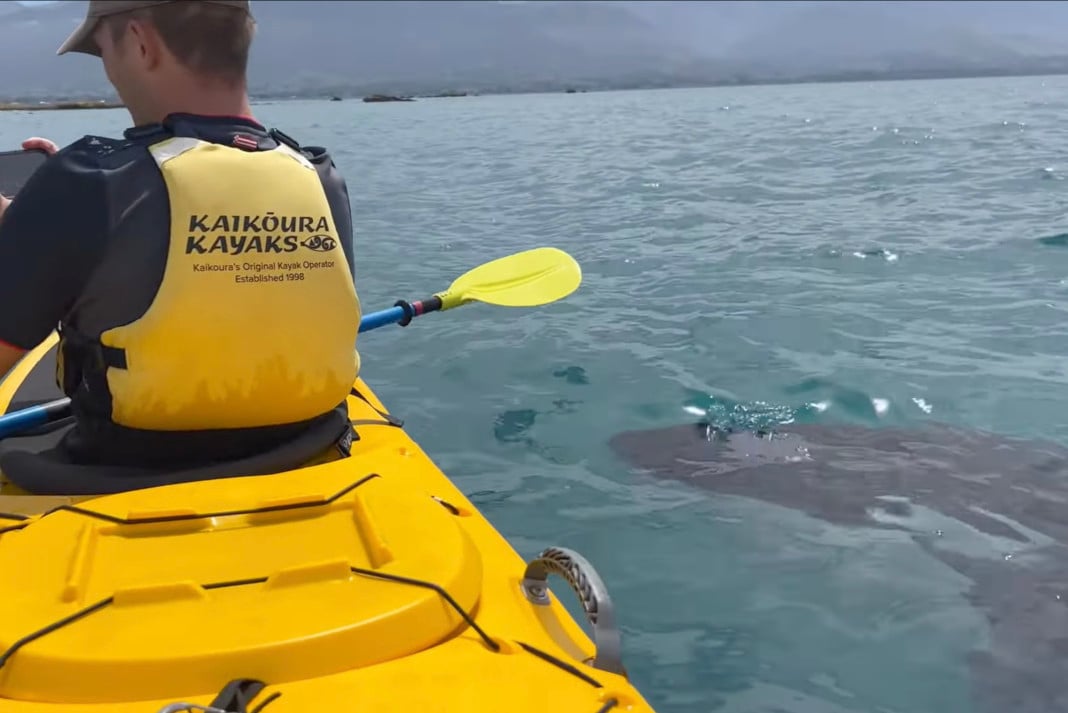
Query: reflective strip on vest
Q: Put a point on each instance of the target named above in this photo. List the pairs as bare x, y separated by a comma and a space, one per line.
255, 320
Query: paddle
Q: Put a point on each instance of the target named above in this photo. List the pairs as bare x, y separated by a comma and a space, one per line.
526, 279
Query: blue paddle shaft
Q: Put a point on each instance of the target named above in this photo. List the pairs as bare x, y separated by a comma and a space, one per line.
381, 318
19, 421
33, 416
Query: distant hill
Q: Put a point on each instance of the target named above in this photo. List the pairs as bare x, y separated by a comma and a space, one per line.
865, 36
313, 48
798, 38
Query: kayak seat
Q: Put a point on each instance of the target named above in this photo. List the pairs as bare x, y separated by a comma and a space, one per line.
40, 467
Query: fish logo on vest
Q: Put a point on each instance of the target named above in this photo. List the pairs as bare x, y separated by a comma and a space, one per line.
320, 243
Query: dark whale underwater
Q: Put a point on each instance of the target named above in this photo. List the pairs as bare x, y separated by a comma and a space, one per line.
873, 477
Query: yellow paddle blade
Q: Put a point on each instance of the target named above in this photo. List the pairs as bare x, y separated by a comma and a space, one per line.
526, 279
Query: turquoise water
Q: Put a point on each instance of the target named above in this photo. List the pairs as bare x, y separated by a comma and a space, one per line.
883, 253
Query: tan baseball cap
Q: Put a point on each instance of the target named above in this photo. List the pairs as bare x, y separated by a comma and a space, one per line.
81, 40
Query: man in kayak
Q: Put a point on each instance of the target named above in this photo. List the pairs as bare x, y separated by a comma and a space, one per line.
199, 269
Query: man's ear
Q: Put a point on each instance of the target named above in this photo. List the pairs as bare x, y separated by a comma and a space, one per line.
146, 43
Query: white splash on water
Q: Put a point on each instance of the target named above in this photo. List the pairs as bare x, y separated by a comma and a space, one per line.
883, 253
923, 405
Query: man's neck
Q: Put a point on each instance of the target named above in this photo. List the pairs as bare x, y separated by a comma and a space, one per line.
204, 101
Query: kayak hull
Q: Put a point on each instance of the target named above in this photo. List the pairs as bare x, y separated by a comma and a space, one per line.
366, 582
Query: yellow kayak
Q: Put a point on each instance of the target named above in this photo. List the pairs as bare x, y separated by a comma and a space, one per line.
367, 583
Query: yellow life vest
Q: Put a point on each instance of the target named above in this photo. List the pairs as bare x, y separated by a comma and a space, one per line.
254, 322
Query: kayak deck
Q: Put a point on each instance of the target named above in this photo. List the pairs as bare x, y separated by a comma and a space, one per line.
362, 583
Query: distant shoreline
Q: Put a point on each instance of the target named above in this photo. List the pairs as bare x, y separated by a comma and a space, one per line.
60, 105
578, 87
